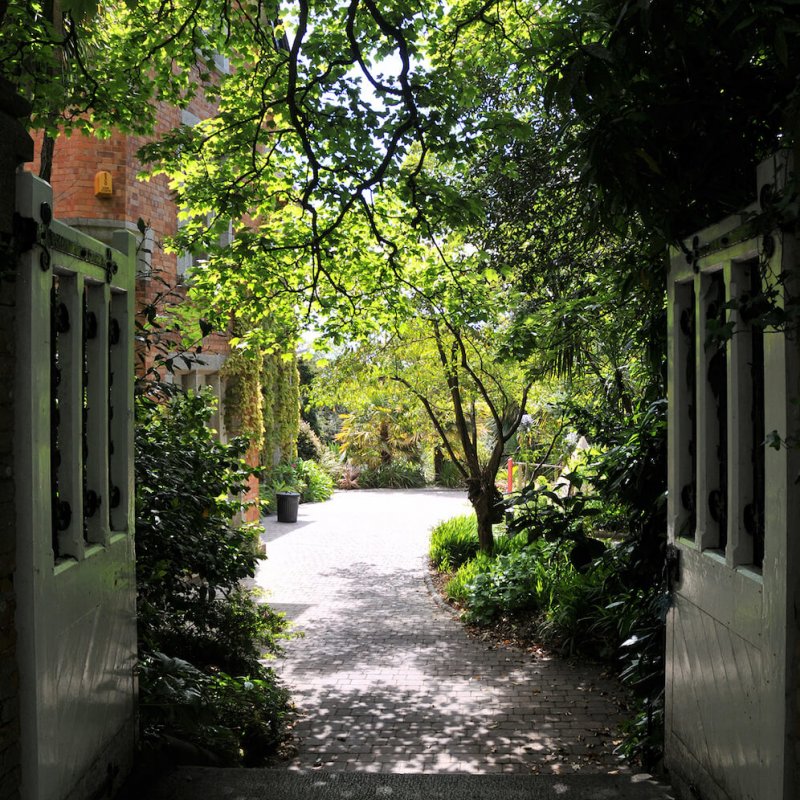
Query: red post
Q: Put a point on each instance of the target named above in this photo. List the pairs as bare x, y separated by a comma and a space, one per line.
510, 475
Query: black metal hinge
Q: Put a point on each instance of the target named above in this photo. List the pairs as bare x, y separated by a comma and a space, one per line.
28, 232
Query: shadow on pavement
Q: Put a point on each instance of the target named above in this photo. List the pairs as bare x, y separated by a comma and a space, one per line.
391, 687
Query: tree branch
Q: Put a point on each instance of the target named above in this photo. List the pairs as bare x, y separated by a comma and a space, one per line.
436, 424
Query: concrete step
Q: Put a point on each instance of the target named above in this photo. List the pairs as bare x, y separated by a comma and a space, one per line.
204, 783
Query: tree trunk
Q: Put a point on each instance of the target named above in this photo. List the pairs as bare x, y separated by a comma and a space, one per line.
46, 157
487, 502
438, 464
386, 450
485, 535
52, 11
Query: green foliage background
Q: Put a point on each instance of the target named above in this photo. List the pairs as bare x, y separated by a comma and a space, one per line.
262, 401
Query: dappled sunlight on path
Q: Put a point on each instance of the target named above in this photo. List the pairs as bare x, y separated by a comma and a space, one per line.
386, 680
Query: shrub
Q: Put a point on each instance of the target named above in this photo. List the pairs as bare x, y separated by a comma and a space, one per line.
577, 600
512, 583
454, 542
318, 483
309, 446
397, 475
503, 543
201, 635
229, 719
450, 476
330, 460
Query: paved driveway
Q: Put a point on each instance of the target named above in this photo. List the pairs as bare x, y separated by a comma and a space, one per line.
386, 680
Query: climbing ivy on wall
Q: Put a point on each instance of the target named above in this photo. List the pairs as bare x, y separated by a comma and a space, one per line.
243, 412
280, 408
262, 398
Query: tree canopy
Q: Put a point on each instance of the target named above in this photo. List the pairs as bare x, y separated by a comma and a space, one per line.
349, 135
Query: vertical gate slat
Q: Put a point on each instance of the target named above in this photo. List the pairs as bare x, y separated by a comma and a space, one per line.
705, 418
121, 391
740, 429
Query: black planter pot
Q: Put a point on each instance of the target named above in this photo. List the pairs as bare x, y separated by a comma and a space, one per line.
288, 503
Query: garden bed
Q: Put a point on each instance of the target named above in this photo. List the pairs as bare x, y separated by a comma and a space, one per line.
518, 632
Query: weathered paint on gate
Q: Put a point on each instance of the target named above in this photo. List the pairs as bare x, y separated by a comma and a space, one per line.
76, 578
731, 629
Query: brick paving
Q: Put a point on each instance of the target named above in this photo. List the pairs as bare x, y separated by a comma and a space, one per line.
386, 680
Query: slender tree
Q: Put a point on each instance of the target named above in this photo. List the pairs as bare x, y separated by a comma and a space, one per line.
445, 349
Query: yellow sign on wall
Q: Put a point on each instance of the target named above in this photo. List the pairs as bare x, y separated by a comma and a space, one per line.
103, 185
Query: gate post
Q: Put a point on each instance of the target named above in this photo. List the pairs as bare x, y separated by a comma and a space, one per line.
16, 147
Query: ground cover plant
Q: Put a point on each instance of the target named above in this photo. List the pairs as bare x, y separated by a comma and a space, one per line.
204, 690
454, 542
455, 550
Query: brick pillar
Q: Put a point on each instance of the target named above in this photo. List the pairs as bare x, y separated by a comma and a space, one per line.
16, 147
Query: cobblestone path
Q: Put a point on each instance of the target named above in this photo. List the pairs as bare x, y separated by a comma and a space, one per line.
386, 680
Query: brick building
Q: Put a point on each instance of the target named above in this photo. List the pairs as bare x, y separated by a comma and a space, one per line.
80, 165
67, 625
96, 190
